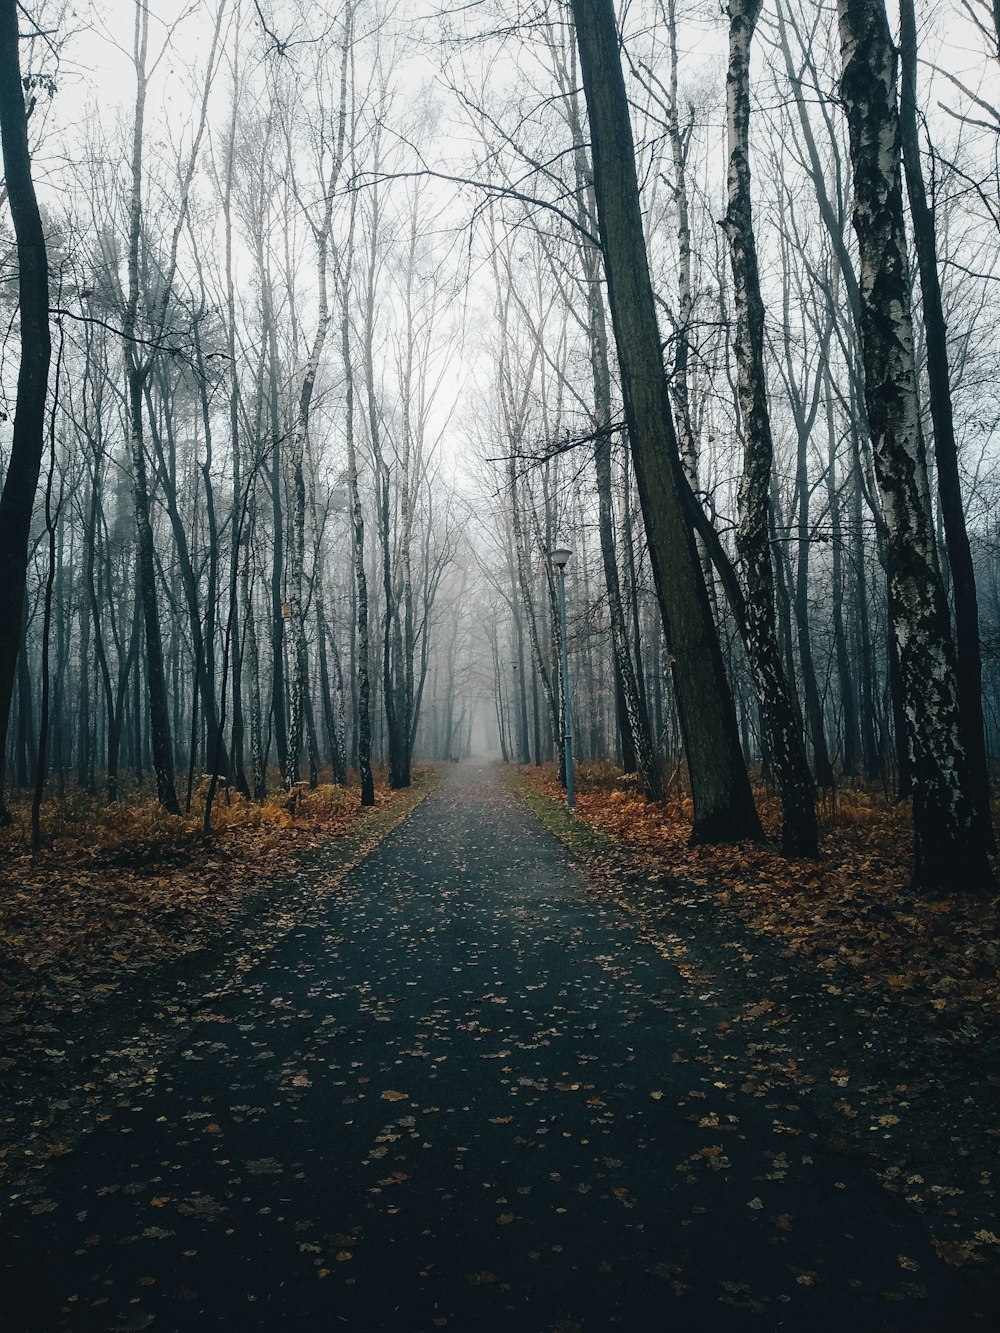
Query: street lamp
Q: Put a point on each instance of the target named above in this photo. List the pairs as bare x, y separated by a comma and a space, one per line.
560, 558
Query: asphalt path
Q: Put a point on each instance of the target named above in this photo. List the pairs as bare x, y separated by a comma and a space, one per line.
463, 1093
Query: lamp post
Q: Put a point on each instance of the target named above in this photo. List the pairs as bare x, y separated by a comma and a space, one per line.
560, 558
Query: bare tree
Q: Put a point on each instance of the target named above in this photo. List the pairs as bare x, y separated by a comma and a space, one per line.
963, 576
950, 849
778, 712
723, 803
18, 496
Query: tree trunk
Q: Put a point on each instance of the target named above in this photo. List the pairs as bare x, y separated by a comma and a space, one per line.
136, 372
638, 752
18, 495
51, 523
723, 802
949, 846
358, 550
850, 756
278, 715
779, 716
963, 575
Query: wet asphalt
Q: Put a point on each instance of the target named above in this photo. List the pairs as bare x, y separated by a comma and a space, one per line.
462, 1093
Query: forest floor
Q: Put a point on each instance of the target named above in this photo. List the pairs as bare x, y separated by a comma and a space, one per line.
466, 1089
122, 891
879, 1006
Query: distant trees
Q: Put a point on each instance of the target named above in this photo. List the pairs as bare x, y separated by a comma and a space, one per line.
335, 382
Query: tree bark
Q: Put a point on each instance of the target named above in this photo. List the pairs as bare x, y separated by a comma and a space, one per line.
18, 496
779, 715
357, 547
949, 847
963, 575
850, 756
321, 230
723, 802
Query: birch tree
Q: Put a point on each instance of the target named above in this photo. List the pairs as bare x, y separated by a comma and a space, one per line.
949, 846
777, 706
963, 576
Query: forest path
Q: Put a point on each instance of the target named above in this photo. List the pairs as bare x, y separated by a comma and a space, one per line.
463, 1094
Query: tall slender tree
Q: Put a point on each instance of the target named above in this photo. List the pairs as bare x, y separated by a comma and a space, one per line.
723, 802
779, 714
18, 496
963, 574
950, 849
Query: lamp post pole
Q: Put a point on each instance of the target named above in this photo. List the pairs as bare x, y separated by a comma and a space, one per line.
560, 558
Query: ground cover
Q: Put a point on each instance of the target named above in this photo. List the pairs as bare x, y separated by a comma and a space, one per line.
123, 888
879, 1005
468, 1068
849, 912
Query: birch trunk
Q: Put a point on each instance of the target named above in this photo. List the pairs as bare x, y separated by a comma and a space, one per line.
949, 847
779, 717
967, 646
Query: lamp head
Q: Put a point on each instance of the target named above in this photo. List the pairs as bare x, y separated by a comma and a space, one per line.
560, 556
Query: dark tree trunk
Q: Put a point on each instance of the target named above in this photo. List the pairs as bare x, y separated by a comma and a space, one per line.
852, 733
51, 525
18, 495
360, 578
723, 802
278, 713
137, 371
163, 760
25, 750
524, 753
633, 719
